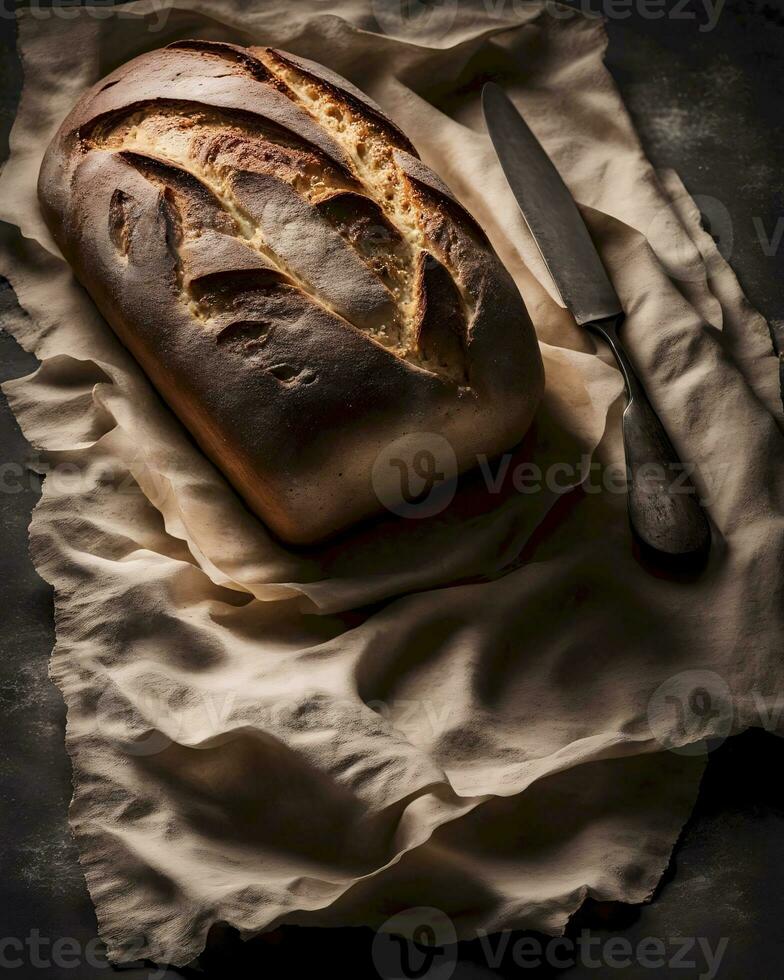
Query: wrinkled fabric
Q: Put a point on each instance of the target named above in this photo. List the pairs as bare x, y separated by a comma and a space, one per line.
494, 711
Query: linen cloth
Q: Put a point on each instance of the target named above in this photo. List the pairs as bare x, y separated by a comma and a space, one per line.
493, 711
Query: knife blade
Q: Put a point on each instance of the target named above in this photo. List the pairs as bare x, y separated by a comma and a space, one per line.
549, 211
663, 508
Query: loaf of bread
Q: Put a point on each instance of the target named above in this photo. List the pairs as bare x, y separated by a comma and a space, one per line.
300, 288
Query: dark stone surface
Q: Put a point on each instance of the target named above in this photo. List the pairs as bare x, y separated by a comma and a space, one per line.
706, 102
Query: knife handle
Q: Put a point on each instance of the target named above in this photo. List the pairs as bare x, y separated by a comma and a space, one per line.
664, 510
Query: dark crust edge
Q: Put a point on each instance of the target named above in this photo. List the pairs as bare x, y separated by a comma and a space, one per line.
241, 56
428, 179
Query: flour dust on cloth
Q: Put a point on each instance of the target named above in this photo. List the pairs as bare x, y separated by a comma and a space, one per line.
494, 711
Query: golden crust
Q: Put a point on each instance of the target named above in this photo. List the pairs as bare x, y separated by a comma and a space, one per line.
299, 287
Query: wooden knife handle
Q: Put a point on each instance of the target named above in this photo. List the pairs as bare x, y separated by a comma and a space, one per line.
664, 510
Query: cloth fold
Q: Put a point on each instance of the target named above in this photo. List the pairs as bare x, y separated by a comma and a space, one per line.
495, 710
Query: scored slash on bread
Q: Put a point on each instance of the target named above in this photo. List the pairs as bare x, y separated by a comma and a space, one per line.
298, 285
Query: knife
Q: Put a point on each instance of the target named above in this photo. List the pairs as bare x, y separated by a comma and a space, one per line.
664, 512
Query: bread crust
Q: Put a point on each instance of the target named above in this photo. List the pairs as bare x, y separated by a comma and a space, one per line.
300, 288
